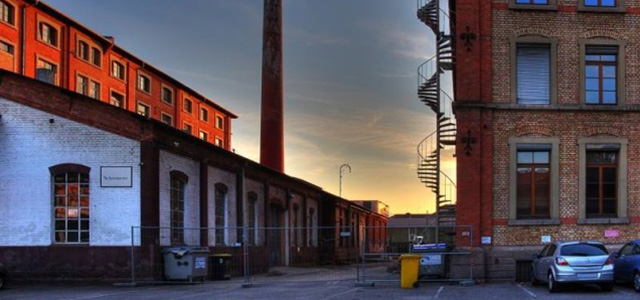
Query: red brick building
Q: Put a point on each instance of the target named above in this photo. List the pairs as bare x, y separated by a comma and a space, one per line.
40, 42
547, 115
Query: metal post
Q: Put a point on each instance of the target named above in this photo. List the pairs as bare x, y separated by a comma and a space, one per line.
133, 264
341, 167
246, 256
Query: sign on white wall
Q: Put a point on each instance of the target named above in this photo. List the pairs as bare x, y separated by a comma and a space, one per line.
116, 176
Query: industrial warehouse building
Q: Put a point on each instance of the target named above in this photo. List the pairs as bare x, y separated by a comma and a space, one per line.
546, 104
105, 156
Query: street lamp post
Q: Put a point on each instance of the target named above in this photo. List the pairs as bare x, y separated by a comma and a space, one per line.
342, 167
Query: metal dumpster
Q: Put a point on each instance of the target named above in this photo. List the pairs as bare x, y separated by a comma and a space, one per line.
185, 263
432, 263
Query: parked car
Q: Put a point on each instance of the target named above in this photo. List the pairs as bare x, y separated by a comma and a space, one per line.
3, 275
573, 262
627, 264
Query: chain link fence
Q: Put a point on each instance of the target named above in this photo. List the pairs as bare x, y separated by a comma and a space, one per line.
268, 255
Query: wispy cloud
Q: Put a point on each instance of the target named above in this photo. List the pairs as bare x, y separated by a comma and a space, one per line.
406, 43
309, 38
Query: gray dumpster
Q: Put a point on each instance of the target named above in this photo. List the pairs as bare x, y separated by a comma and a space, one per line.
186, 263
432, 263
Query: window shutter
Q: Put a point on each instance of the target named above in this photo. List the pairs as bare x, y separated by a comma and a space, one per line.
533, 74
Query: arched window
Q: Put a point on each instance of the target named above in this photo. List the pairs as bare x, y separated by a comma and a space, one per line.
178, 182
252, 217
7, 13
310, 227
295, 225
71, 203
220, 213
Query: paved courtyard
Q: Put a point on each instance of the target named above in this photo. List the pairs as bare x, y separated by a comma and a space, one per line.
307, 290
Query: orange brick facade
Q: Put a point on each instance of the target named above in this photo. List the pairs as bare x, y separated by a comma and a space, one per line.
486, 111
28, 48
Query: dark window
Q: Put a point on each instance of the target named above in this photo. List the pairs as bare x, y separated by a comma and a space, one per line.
144, 83
46, 72
167, 119
310, 227
219, 122
583, 250
627, 249
187, 128
117, 99
188, 105
601, 183
252, 217
83, 50
7, 12
600, 3
220, 209
552, 250
71, 207
204, 115
295, 224
143, 109
533, 183
48, 34
533, 73
535, 2
96, 56
117, 70
6, 47
601, 63
167, 95
177, 210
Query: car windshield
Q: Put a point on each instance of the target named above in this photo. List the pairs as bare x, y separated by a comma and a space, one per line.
583, 250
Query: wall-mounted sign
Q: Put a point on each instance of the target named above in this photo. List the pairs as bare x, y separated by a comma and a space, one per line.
486, 240
465, 233
345, 234
545, 239
612, 233
116, 176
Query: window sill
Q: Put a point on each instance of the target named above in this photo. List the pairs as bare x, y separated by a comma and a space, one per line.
603, 221
547, 7
617, 10
533, 222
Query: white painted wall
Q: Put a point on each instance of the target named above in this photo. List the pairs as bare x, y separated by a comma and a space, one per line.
169, 162
29, 145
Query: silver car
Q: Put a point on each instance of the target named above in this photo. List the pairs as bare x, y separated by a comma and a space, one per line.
573, 262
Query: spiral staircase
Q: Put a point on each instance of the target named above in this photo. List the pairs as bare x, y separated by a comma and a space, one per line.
436, 15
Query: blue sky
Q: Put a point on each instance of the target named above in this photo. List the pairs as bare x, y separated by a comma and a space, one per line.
350, 80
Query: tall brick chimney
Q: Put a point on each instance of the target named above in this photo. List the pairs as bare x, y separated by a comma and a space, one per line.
272, 127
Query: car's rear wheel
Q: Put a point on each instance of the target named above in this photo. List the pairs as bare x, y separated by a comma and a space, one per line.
636, 282
552, 284
607, 287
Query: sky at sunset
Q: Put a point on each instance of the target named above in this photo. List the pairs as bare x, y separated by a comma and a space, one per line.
350, 80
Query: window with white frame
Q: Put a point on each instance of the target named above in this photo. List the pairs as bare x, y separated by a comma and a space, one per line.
46, 72
177, 198
144, 83
167, 95
143, 109
167, 119
83, 50
186, 127
220, 213
204, 115
82, 84
96, 57
117, 70
7, 13
219, 142
71, 201
203, 135
117, 99
48, 34
94, 89
219, 122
